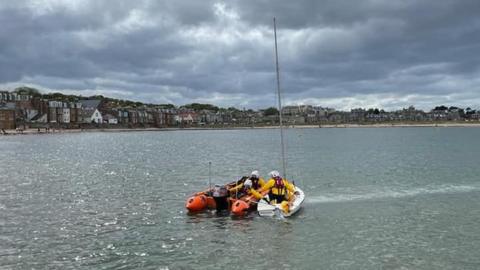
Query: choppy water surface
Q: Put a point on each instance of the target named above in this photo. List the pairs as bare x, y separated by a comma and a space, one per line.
394, 198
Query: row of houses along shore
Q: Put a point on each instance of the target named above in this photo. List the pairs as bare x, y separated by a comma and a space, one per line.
21, 111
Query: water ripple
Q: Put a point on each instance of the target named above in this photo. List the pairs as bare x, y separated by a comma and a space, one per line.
116, 200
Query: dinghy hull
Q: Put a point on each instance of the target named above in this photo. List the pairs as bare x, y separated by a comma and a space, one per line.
270, 210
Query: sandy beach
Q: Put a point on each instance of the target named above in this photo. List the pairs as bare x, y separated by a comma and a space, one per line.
35, 131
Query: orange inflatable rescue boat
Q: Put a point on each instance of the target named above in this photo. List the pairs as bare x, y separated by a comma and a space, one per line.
218, 198
215, 198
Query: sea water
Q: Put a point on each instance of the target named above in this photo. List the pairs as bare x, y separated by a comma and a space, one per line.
376, 198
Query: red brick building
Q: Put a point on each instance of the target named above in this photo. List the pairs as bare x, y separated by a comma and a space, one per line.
7, 116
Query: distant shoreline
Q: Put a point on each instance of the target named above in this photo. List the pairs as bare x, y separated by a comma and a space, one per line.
35, 131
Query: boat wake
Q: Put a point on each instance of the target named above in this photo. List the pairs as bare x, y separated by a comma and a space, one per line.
385, 194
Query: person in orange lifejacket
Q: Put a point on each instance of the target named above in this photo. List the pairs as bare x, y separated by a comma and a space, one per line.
256, 181
279, 189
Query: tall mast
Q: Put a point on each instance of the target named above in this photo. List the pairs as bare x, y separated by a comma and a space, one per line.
279, 101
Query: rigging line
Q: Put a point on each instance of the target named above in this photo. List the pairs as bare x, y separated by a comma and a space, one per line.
210, 175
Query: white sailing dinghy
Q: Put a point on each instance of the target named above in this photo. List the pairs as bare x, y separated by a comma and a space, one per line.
264, 208
269, 210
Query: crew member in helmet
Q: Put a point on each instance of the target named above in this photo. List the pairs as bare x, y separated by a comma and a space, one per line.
248, 189
279, 189
256, 182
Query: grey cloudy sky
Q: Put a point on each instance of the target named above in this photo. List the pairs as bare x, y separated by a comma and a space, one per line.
337, 53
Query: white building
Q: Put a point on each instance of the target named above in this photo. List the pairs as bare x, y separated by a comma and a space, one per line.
110, 119
92, 116
66, 115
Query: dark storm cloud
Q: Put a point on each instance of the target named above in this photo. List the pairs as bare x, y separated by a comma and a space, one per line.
333, 53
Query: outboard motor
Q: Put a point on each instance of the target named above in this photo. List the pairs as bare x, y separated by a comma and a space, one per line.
220, 195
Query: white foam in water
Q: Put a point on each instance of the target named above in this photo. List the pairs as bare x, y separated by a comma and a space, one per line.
329, 198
